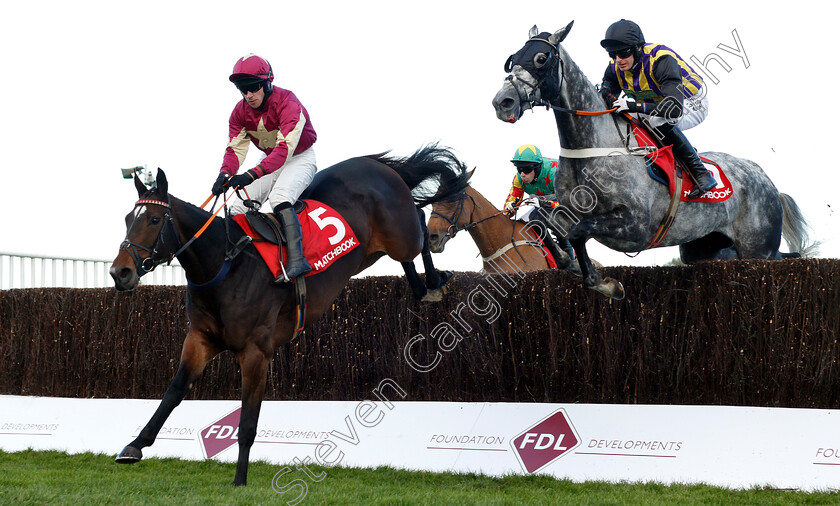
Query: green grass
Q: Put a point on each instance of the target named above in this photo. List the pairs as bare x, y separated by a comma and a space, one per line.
34, 477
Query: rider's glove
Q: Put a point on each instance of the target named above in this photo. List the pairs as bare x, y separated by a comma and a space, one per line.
510, 209
242, 180
219, 185
623, 102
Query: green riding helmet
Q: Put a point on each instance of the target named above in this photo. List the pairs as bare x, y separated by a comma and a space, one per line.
527, 156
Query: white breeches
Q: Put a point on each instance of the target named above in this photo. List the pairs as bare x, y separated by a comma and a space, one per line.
695, 110
526, 211
283, 185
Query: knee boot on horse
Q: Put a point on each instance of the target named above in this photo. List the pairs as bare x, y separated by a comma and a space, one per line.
703, 180
296, 265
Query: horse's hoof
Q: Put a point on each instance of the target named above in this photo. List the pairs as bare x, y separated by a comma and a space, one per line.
129, 455
433, 295
611, 288
446, 277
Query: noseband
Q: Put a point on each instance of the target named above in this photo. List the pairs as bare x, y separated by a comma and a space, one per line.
148, 264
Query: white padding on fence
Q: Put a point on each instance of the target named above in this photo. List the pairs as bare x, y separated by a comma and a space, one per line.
736, 447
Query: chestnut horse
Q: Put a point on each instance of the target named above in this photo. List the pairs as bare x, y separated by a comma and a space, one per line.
505, 245
234, 305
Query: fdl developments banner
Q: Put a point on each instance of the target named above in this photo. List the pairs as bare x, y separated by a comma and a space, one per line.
736, 447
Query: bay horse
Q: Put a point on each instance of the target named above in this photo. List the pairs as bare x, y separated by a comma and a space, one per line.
379, 197
605, 191
506, 245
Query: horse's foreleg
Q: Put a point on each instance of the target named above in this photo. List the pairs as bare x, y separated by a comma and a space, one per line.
435, 280
414, 281
254, 366
195, 354
591, 277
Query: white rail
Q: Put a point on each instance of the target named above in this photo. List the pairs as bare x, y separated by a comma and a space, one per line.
37, 271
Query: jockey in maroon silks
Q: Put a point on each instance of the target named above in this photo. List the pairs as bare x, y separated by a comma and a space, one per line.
275, 121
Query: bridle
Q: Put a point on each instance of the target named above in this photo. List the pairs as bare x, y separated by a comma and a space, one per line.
533, 97
453, 227
148, 264
453, 220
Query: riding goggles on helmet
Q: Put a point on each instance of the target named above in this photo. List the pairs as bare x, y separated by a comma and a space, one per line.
621, 53
526, 167
248, 86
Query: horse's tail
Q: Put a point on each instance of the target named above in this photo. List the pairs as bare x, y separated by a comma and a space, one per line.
795, 229
432, 173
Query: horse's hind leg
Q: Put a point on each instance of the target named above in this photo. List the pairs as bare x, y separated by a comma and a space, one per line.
254, 366
714, 246
195, 354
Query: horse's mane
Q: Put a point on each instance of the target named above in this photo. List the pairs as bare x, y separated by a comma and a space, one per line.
432, 173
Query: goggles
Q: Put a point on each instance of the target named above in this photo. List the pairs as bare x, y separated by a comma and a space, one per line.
526, 168
248, 87
622, 53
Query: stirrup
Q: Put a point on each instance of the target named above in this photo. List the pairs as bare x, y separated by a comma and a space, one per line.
283, 277
696, 192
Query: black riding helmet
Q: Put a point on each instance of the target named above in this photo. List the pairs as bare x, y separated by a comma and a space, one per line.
623, 34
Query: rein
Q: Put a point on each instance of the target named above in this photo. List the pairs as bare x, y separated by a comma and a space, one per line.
148, 264
453, 221
549, 105
454, 228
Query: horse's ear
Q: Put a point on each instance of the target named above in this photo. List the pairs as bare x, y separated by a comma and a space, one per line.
558, 36
470, 174
162, 185
533, 32
141, 188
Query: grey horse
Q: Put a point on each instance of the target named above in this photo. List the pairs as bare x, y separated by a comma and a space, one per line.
604, 187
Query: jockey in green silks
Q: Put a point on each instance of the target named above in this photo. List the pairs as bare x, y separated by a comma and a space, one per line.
535, 176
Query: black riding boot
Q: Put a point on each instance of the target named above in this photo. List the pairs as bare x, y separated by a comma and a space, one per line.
296, 265
703, 180
540, 223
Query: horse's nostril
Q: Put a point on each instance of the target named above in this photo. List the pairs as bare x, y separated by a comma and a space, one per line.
507, 103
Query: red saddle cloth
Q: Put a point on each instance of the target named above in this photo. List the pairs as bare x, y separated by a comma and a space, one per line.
664, 159
326, 238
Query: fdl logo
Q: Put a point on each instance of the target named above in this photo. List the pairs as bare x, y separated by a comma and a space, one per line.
545, 442
221, 434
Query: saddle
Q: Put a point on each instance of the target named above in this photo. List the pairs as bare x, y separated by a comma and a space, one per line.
326, 235
267, 226
664, 168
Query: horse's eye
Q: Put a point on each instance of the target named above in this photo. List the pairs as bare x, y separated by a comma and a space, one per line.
540, 59
155, 220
